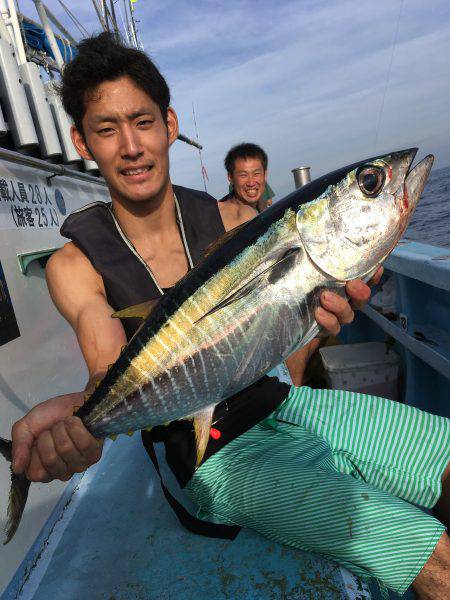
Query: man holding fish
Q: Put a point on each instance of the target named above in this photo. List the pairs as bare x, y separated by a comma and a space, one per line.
316, 469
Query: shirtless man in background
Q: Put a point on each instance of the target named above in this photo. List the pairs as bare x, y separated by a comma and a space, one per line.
246, 166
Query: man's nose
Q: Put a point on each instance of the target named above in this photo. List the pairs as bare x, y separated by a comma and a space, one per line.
131, 146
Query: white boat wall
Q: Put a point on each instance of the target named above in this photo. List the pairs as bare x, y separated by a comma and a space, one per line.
39, 354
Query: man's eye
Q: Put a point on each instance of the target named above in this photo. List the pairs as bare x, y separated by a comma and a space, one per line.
106, 130
145, 122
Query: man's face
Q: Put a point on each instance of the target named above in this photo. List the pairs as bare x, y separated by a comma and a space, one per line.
248, 179
124, 132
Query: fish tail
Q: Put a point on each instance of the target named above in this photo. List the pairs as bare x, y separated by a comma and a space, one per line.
18, 494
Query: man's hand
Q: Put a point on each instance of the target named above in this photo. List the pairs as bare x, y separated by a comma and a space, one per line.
336, 311
49, 443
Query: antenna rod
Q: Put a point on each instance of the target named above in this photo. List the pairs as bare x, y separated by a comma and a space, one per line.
77, 23
133, 24
114, 21
100, 16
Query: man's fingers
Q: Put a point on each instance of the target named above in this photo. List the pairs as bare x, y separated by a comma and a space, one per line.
338, 306
35, 470
66, 449
328, 321
50, 460
22, 440
87, 445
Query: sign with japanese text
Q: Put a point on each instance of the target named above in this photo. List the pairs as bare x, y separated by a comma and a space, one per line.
29, 205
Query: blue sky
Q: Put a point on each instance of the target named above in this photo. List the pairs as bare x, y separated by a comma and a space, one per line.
316, 83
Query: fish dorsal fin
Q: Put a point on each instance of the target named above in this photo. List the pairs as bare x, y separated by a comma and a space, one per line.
138, 311
223, 239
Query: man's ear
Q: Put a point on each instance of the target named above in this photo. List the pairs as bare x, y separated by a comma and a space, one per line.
80, 144
172, 125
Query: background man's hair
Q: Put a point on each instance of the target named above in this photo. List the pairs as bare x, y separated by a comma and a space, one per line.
102, 58
245, 150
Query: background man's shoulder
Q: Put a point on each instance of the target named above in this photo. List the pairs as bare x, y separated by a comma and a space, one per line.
181, 190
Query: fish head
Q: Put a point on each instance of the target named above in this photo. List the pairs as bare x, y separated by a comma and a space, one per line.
360, 212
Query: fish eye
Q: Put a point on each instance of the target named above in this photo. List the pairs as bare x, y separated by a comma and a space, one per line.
370, 180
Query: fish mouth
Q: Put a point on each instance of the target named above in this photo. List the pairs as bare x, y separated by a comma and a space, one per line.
415, 182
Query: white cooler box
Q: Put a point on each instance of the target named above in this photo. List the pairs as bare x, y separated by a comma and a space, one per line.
366, 368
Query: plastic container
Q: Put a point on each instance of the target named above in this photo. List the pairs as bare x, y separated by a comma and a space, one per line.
366, 368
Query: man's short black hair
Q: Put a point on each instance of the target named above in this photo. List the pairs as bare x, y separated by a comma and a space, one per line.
102, 58
245, 150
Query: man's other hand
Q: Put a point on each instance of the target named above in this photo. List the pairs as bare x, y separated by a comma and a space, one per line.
50, 443
337, 311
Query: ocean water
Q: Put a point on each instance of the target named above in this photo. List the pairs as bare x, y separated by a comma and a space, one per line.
431, 221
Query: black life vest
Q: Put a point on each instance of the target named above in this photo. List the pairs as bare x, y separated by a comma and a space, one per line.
128, 281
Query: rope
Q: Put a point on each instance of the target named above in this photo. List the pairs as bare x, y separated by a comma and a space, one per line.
388, 74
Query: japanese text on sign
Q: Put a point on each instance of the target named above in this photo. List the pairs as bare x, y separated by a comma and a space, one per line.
30, 205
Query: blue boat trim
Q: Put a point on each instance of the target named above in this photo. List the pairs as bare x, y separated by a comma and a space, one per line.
429, 264
437, 357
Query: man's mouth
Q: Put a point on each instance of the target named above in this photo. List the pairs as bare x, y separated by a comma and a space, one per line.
133, 172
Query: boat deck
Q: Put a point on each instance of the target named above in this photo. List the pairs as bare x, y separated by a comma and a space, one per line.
114, 537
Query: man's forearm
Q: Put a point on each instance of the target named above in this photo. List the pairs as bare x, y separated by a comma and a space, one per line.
296, 363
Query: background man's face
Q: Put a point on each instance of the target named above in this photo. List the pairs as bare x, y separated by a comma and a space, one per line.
248, 179
126, 134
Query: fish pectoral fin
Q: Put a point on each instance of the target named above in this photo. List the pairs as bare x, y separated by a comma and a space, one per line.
237, 295
138, 311
202, 426
222, 239
274, 272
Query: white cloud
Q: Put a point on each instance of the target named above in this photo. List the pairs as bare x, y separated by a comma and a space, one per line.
316, 98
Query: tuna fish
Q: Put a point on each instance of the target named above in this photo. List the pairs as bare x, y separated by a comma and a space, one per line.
250, 303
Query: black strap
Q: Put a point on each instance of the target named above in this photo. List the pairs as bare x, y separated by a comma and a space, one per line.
191, 523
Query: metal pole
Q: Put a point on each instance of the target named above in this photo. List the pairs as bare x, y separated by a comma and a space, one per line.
186, 140
21, 55
302, 176
5, 14
49, 33
105, 13
60, 170
100, 16
114, 21
59, 25
133, 24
